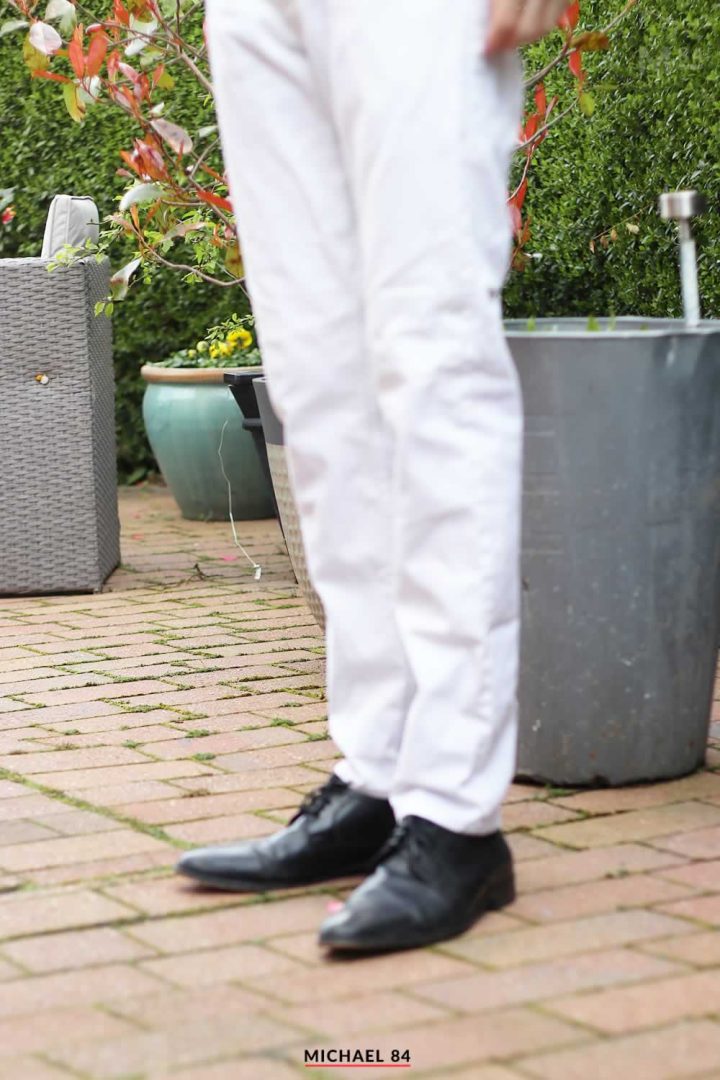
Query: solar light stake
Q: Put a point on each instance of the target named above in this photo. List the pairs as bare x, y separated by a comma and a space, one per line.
683, 206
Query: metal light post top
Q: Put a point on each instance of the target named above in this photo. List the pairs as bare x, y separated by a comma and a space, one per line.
683, 206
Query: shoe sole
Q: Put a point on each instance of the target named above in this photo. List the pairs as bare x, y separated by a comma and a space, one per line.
211, 881
498, 893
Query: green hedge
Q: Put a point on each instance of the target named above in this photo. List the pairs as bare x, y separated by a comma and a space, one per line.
656, 126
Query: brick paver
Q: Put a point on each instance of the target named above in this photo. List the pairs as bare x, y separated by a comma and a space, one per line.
679, 1050
631, 1008
185, 704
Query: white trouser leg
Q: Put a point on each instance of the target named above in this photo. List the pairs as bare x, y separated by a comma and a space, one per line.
367, 146
427, 126
298, 234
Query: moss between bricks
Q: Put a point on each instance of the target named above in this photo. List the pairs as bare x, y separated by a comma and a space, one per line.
82, 804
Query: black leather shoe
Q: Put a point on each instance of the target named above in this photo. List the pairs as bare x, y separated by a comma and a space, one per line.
431, 884
337, 832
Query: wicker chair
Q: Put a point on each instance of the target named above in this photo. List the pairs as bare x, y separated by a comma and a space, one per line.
59, 529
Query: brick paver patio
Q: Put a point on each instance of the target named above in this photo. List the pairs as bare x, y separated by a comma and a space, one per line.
185, 705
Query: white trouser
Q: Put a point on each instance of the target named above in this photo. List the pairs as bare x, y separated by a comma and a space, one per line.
367, 144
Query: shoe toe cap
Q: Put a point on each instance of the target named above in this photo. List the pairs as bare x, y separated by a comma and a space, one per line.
197, 863
371, 919
213, 864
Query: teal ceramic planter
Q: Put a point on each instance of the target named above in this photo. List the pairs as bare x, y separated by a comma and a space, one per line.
185, 411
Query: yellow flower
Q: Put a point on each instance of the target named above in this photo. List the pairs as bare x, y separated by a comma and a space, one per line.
214, 351
241, 337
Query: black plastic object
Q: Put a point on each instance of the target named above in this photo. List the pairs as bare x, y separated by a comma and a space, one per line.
241, 388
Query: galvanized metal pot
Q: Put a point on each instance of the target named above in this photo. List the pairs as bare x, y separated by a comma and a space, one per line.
621, 546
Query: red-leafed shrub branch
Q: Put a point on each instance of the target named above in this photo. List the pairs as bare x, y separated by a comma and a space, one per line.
175, 208
541, 114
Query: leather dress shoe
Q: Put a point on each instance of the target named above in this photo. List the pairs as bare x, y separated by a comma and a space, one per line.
337, 832
431, 884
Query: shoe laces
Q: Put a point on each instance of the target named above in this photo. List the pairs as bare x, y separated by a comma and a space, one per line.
317, 800
414, 843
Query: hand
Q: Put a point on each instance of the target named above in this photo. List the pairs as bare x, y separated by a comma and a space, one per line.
518, 22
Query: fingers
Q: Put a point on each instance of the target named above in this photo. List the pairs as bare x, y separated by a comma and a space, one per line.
538, 18
504, 19
519, 22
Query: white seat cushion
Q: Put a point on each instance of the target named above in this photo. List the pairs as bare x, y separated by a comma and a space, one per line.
71, 220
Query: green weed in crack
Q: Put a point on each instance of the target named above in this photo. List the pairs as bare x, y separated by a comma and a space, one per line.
126, 707
82, 804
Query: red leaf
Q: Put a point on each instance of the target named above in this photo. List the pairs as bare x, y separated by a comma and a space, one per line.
591, 41
113, 64
146, 159
120, 13
141, 9
96, 53
531, 127
175, 136
519, 198
130, 160
142, 88
541, 99
129, 72
570, 18
75, 52
212, 172
576, 65
215, 200
515, 218
50, 75
124, 97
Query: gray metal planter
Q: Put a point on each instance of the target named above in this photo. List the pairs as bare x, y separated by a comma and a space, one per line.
621, 547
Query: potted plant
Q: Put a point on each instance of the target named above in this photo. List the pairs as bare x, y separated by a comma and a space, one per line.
207, 459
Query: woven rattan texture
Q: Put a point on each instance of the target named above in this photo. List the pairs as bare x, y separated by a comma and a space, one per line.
59, 527
291, 528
